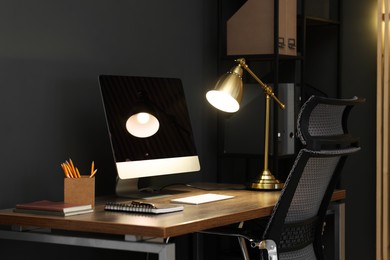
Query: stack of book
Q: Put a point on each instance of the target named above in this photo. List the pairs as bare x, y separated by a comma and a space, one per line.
46, 207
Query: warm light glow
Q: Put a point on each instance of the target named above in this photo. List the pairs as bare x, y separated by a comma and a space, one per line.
227, 93
143, 118
142, 125
222, 101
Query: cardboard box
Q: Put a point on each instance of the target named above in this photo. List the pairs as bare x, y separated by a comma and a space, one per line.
79, 190
250, 30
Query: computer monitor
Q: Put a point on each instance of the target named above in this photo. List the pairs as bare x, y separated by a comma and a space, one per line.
171, 150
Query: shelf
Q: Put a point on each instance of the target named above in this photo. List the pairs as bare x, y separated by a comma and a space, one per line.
316, 21
263, 57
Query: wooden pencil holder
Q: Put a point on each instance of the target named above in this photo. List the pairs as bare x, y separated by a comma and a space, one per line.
79, 190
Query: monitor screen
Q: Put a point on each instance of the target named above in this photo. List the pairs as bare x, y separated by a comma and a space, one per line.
170, 150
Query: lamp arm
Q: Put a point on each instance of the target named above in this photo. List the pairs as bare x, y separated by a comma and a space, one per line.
267, 89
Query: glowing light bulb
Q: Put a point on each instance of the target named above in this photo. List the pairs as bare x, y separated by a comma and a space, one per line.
143, 118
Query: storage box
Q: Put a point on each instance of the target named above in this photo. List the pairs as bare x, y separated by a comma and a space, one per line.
79, 190
250, 31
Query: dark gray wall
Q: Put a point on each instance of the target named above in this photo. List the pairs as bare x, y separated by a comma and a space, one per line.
359, 78
51, 53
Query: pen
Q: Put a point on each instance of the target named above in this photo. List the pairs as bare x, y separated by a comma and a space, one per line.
142, 204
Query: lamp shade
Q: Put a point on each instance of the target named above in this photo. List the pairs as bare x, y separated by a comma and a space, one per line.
142, 121
227, 94
142, 124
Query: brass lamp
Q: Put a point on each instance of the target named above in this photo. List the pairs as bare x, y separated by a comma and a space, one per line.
226, 96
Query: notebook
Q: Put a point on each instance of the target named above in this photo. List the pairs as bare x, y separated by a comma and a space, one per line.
203, 198
56, 208
142, 207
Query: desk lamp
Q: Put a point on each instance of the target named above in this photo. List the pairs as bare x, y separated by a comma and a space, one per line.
226, 96
142, 121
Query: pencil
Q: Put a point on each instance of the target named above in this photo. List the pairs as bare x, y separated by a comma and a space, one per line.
93, 174
65, 170
92, 166
71, 171
72, 168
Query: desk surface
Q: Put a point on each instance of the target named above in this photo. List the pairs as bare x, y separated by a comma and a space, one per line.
244, 206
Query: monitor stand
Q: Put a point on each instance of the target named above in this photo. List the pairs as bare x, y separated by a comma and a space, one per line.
128, 188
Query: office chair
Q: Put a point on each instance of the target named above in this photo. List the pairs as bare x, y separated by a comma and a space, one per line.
294, 229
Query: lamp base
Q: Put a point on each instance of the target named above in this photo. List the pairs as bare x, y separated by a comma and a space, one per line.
266, 181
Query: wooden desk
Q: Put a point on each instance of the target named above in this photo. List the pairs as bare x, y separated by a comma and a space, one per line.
244, 206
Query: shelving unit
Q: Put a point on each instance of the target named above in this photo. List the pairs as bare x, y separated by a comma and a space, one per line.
313, 70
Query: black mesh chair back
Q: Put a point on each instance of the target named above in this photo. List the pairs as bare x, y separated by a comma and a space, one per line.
297, 221
294, 230
324, 121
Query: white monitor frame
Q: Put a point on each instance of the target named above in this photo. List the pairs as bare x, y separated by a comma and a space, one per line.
118, 93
